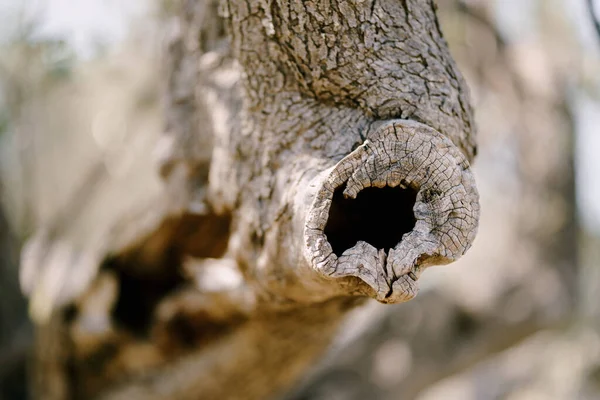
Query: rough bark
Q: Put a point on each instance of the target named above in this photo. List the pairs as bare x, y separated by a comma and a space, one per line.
319, 157
447, 333
308, 101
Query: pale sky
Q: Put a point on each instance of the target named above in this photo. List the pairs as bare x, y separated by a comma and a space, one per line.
83, 24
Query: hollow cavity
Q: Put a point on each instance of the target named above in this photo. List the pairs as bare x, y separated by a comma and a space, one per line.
378, 216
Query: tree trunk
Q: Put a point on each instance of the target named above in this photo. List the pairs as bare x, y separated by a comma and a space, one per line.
316, 154
451, 336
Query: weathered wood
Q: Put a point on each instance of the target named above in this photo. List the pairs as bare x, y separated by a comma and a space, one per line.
520, 278
324, 157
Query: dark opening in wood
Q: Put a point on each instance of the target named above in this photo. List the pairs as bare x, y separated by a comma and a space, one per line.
139, 295
378, 216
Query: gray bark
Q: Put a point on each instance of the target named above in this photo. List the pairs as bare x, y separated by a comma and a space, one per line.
316, 153
445, 334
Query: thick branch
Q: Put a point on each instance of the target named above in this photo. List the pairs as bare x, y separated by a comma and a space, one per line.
324, 81
413, 157
341, 136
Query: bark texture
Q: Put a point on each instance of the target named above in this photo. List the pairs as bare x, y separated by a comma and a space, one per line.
316, 153
309, 102
467, 337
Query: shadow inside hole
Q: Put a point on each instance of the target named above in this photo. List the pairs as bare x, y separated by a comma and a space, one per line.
378, 216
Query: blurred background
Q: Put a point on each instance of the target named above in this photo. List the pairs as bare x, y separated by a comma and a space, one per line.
81, 102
